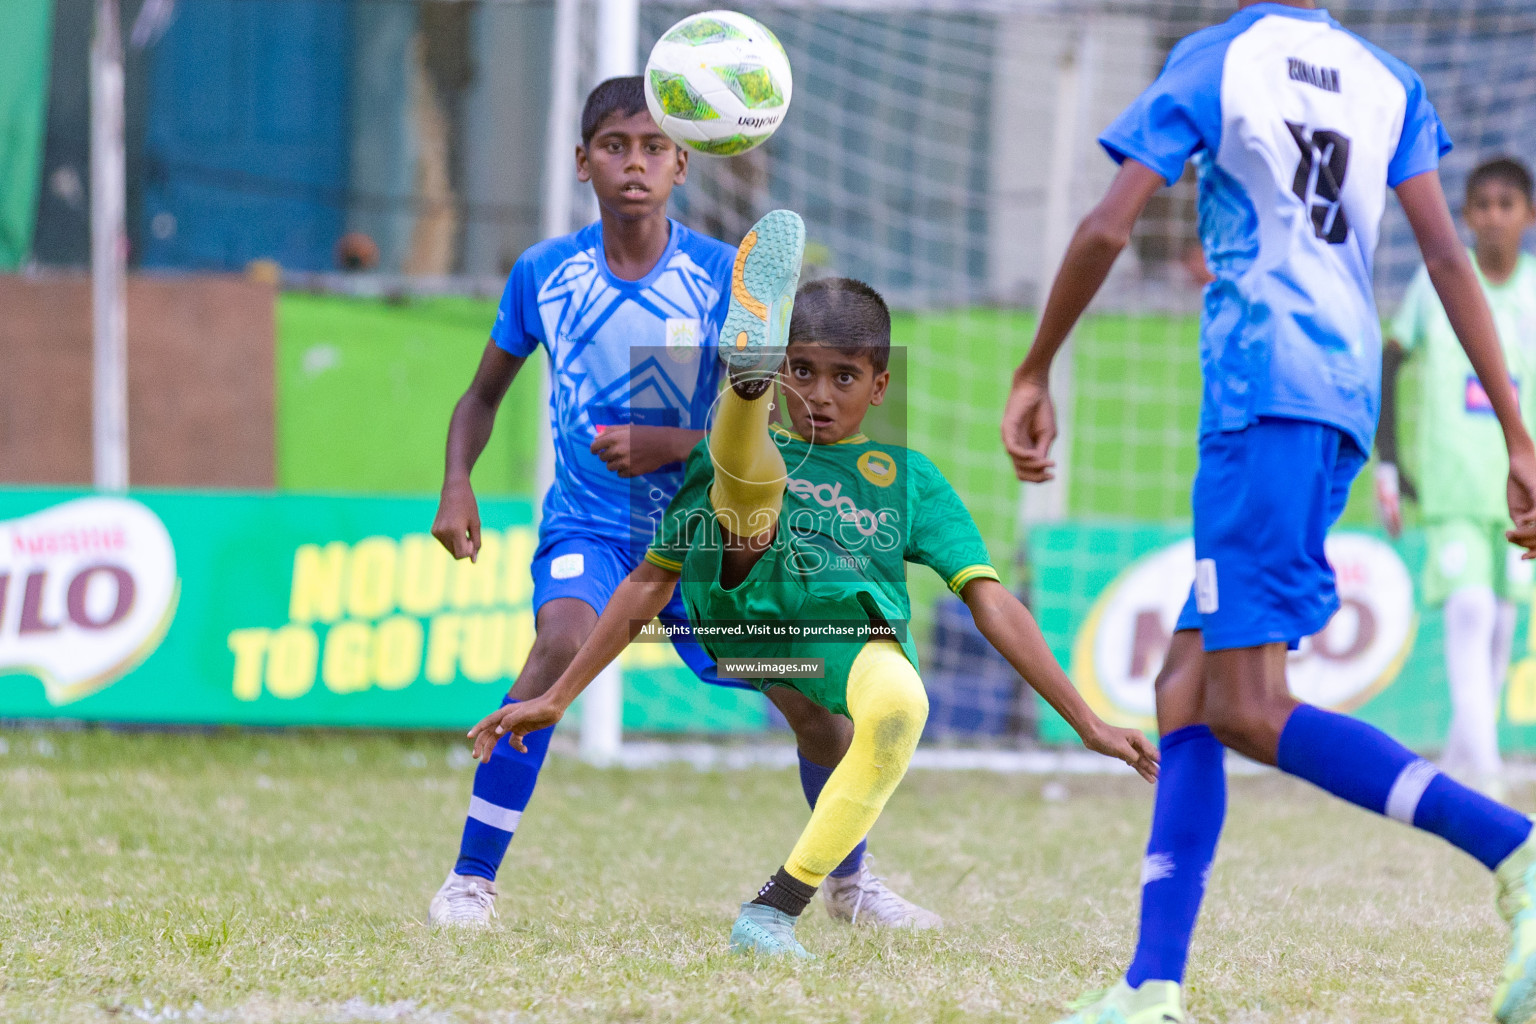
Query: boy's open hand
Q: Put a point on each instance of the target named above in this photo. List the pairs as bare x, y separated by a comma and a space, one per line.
514, 722
632, 451
1389, 500
1029, 427
457, 526
1129, 745
1522, 500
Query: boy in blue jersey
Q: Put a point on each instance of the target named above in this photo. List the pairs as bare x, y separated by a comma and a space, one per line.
629, 310
1297, 128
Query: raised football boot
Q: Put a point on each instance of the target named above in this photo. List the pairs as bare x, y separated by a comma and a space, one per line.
766, 930
763, 282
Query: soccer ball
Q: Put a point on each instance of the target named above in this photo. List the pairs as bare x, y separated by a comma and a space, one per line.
717, 83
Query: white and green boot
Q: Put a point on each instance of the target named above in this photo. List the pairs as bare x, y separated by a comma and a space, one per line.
763, 282
1155, 1002
1514, 1001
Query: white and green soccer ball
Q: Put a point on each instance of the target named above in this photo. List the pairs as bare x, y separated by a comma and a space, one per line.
718, 83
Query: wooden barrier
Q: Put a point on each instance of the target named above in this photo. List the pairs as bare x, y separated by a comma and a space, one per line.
200, 381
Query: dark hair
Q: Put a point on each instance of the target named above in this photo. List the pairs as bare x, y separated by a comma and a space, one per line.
844, 314
617, 97
1506, 169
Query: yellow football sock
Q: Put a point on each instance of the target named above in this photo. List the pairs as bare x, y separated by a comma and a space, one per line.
748, 491
888, 706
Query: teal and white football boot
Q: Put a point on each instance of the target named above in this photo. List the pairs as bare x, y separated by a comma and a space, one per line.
1154, 1002
1514, 1001
763, 282
766, 930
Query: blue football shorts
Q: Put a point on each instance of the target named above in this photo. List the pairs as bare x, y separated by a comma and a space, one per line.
590, 568
1264, 499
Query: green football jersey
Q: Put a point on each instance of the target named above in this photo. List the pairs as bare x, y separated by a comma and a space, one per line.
854, 514
1461, 450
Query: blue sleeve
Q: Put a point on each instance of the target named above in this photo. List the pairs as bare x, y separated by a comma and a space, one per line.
1178, 115
1424, 140
518, 329
722, 304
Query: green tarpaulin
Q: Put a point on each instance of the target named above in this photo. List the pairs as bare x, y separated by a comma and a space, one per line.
24, 46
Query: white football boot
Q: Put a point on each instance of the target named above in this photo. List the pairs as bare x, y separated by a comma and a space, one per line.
464, 901
863, 898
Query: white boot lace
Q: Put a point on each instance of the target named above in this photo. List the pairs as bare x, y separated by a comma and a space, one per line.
468, 903
883, 903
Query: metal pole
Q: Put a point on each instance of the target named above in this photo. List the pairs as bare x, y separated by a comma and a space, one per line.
1047, 502
602, 705
109, 251
618, 38
561, 134
602, 713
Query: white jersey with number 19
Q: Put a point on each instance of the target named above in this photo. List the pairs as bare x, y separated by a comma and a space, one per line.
1297, 128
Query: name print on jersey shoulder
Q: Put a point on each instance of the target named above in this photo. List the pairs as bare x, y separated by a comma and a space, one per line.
1323, 78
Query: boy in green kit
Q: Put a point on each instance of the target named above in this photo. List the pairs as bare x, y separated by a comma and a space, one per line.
1470, 569
794, 544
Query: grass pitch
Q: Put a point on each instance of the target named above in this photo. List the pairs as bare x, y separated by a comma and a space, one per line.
278, 877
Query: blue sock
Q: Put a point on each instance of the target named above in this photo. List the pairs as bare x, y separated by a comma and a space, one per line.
1187, 813
813, 777
1365, 766
502, 790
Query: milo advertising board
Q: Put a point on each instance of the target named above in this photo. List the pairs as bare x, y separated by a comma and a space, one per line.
1108, 597
308, 610
284, 610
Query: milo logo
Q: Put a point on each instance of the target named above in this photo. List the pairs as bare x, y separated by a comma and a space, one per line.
87, 590
1119, 649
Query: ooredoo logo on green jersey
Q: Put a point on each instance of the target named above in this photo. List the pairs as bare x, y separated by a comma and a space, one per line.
830, 495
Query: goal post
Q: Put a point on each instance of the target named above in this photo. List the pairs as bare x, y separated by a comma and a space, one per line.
615, 49
109, 255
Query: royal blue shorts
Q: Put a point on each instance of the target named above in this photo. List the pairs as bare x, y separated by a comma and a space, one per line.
590, 568
1264, 499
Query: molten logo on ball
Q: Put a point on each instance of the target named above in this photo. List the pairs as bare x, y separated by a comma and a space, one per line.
87, 590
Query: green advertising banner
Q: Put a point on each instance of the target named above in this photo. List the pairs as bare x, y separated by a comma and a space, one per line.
1107, 597
285, 610
24, 51
274, 610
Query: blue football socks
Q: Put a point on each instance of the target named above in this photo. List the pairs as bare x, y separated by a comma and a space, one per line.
813, 778
1187, 814
1365, 766
502, 789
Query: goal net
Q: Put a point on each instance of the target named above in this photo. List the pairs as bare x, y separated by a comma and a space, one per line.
944, 152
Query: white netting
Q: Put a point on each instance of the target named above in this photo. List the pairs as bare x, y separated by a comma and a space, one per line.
944, 152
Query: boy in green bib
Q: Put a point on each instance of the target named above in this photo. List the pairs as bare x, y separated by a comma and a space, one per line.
1470, 569
791, 547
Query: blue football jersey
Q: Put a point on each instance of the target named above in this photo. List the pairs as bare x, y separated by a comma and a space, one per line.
1297, 128
640, 352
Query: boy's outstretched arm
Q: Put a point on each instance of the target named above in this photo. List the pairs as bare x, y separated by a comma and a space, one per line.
1009, 627
1029, 420
1450, 271
636, 601
457, 526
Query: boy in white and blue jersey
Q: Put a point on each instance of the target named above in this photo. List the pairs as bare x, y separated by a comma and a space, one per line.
628, 310
1297, 128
